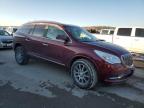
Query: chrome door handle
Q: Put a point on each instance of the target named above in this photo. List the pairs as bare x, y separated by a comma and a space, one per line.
44, 44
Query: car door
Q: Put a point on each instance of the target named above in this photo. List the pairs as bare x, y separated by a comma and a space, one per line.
123, 38
138, 40
35, 40
23, 35
54, 48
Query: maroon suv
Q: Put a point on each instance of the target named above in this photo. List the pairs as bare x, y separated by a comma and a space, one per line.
89, 59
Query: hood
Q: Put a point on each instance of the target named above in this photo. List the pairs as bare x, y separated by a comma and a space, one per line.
4, 38
108, 47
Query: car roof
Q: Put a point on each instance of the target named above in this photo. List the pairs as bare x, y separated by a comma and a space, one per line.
50, 22
130, 27
47, 22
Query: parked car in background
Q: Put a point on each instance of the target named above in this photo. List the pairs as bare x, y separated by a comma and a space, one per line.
11, 30
88, 59
107, 31
131, 38
1, 28
6, 40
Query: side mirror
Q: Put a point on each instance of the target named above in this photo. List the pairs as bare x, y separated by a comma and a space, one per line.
62, 37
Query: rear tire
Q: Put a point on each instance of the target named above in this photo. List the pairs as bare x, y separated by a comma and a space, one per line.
84, 74
21, 56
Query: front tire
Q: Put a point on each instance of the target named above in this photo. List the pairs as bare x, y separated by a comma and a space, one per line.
84, 74
21, 56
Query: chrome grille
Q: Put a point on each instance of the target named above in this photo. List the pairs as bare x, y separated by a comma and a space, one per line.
127, 59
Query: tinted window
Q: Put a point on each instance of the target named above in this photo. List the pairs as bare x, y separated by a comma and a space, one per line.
26, 29
39, 30
139, 32
53, 32
124, 31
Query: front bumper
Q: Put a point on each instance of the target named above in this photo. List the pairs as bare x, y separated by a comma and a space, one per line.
114, 73
6, 45
120, 77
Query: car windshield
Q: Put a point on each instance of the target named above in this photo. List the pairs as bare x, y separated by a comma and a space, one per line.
80, 34
4, 33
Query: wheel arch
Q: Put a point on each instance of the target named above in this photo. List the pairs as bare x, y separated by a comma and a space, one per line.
83, 57
16, 45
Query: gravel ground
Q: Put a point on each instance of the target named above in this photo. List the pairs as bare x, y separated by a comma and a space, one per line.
42, 84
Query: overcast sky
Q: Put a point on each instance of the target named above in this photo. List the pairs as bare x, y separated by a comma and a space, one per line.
78, 12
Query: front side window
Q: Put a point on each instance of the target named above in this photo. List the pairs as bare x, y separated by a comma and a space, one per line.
80, 34
139, 32
39, 30
4, 33
53, 32
124, 31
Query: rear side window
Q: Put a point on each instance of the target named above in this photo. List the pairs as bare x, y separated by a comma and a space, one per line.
139, 32
124, 31
39, 30
26, 29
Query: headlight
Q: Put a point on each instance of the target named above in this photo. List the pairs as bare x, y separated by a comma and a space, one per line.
112, 59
